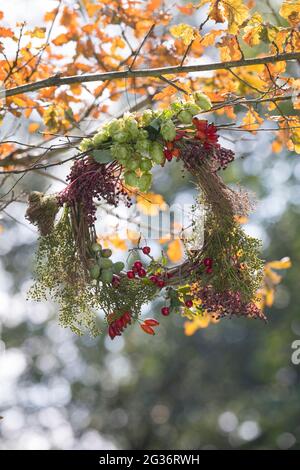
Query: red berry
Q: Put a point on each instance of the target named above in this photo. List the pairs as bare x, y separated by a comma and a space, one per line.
209, 270
111, 332
189, 303
154, 279
137, 265
161, 283
119, 324
165, 311
151, 322
208, 262
142, 272
130, 274
146, 250
127, 317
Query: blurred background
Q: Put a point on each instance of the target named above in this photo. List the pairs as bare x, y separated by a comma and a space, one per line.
229, 386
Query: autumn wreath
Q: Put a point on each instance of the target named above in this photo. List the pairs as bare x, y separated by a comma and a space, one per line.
220, 278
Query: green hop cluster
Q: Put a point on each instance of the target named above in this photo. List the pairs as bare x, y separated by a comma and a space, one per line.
103, 269
137, 143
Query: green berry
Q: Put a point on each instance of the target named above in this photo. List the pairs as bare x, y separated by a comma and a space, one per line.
95, 271
105, 263
118, 266
96, 247
107, 275
106, 253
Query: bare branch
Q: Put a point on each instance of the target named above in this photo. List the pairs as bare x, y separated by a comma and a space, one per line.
156, 72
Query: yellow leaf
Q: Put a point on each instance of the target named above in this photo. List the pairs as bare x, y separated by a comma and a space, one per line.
269, 297
253, 30
151, 203
37, 33
290, 10
236, 13
175, 251
117, 242
133, 236
229, 48
252, 120
190, 327
184, 32
284, 263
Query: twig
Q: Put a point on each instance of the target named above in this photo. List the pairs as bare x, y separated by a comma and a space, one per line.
141, 46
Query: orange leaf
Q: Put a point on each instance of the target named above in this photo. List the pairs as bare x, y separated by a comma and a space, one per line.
187, 9
6, 33
33, 126
50, 15
175, 251
252, 120
61, 39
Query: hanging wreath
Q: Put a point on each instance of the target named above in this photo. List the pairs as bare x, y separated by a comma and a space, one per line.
220, 278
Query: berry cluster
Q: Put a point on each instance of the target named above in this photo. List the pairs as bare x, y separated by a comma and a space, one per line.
227, 303
208, 263
89, 180
117, 326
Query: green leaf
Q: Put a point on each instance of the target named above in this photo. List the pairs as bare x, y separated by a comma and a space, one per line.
102, 155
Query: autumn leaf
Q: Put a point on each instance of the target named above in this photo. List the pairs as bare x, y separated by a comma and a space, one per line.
234, 11
184, 32
290, 10
209, 39
37, 33
6, 33
229, 48
167, 91
284, 263
252, 120
253, 30
187, 9
33, 126
61, 39
175, 251
150, 203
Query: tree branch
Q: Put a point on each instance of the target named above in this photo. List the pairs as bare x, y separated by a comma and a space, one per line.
156, 72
